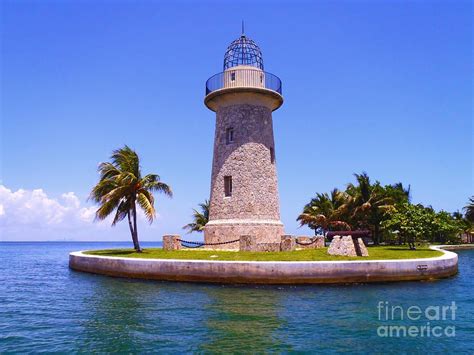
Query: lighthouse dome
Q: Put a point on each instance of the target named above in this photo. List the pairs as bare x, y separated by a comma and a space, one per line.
243, 51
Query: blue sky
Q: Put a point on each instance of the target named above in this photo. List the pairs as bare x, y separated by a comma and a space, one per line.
382, 87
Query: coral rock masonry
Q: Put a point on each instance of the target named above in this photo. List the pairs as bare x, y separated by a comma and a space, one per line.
347, 246
171, 242
248, 243
288, 243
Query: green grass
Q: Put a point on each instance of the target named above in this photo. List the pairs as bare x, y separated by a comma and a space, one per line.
375, 253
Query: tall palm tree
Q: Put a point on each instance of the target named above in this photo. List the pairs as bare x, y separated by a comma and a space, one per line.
121, 187
469, 210
200, 218
369, 203
399, 193
326, 212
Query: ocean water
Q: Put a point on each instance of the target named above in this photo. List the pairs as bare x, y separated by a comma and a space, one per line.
44, 306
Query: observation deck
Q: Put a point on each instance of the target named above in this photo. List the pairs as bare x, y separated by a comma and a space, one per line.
244, 79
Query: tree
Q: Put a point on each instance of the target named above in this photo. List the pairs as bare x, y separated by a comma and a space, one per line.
386, 211
446, 228
200, 218
466, 225
417, 223
369, 203
413, 222
326, 212
469, 210
398, 193
121, 187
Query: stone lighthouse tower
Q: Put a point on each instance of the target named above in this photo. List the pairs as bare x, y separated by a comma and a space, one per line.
244, 189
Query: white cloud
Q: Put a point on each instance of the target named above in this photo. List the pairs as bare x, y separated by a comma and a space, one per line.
36, 208
71, 199
33, 215
87, 214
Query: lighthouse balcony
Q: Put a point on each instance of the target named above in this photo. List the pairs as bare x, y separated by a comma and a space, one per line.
243, 77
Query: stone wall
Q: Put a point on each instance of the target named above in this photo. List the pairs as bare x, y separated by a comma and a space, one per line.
253, 207
223, 232
247, 159
247, 243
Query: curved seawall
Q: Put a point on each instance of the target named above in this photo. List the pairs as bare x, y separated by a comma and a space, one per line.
269, 272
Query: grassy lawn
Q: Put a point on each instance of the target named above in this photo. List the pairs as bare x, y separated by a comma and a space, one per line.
380, 252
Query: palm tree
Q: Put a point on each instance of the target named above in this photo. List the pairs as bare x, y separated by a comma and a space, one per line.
200, 218
369, 203
121, 187
325, 212
469, 210
398, 193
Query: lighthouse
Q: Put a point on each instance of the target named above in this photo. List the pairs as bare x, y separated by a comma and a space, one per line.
244, 188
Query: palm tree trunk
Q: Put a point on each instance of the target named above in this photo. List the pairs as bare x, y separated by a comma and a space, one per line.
376, 234
135, 234
132, 232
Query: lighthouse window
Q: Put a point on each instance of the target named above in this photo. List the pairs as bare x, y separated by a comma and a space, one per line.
272, 155
232, 76
229, 135
228, 186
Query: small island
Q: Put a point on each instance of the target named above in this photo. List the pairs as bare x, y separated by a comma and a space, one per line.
310, 266
367, 232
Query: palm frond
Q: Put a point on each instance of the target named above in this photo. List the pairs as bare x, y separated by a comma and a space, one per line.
106, 208
107, 170
101, 189
126, 178
200, 218
152, 182
117, 193
126, 159
469, 210
123, 209
143, 200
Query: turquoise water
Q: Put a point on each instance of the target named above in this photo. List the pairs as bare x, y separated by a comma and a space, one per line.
44, 306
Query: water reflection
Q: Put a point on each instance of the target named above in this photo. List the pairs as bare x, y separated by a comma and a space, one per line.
139, 316
135, 316
114, 314
243, 318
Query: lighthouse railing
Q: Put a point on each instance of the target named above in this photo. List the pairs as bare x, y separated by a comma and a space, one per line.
251, 78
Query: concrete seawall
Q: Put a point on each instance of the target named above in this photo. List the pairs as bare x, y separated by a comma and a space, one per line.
269, 272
